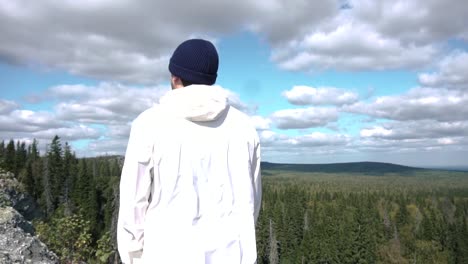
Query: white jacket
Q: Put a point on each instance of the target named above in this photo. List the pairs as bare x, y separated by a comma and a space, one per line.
190, 190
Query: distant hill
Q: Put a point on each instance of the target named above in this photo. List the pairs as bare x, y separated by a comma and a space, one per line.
350, 167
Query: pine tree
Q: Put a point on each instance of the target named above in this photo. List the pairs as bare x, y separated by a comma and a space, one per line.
273, 252
34, 152
104, 168
2, 153
114, 221
10, 154
55, 167
85, 194
115, 169
20, 157
36, 170
46, 197
23, 167
68, 175
26, 177
402, 215
79, 186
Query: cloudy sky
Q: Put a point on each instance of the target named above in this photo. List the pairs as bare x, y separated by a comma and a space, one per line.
324, 81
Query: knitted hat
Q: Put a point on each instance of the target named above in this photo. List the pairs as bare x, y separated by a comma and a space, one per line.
195, 61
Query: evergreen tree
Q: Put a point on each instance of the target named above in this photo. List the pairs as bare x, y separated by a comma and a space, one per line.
426, 227
46, 199
104, 168
26, 177
462, 240
2, 153
113, 226
273, 252
69, 170
86, 195
363, 246
34, 151
20, 157
55, 168
115, 169
80, 184
37, 170
402, 215
10, 156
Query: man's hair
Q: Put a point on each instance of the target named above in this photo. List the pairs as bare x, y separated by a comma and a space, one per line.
185, 82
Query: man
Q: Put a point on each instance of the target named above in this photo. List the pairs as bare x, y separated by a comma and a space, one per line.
190, 189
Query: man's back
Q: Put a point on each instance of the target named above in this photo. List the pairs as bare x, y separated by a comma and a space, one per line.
199, 192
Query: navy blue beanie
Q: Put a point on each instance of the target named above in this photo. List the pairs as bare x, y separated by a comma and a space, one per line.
195, 61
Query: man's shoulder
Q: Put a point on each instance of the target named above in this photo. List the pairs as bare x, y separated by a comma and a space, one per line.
238, 114
243, 119
151, 113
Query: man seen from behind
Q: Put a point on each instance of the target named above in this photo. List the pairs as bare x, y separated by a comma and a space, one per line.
190, 190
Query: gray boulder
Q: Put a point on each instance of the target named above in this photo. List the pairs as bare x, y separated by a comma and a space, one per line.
11, 194
18, 243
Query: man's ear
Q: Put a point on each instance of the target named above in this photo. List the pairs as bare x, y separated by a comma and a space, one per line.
174, 79
176, 82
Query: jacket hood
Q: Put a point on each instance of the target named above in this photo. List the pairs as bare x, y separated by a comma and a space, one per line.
200, 103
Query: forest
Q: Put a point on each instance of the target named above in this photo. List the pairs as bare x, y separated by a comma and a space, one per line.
78, 198
334, 215
342, 217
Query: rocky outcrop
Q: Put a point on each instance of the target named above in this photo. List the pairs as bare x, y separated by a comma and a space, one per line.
17, 241
11, 194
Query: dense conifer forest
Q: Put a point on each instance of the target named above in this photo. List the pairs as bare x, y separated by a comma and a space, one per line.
420, 217
331, 215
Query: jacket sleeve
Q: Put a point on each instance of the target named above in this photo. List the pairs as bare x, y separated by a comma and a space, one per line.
257, 179
135, 189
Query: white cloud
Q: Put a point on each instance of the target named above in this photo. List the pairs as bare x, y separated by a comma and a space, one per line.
423, 142
100, 39
271, 139
119, 131
72, 133
305, 95
43, 126
414, 21
260, 122
399, 142
351, 46
101, 113
297, 17
422, 129
110, 146
375, 132
27, 121
308, 148
417, 104
304, 118
7, 106
131, 42
451, 73
106, 103
376, 35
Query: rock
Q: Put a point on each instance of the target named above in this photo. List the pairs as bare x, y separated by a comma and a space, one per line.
11, 195
18, 243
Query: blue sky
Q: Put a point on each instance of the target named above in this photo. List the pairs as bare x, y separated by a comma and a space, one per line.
378, 81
